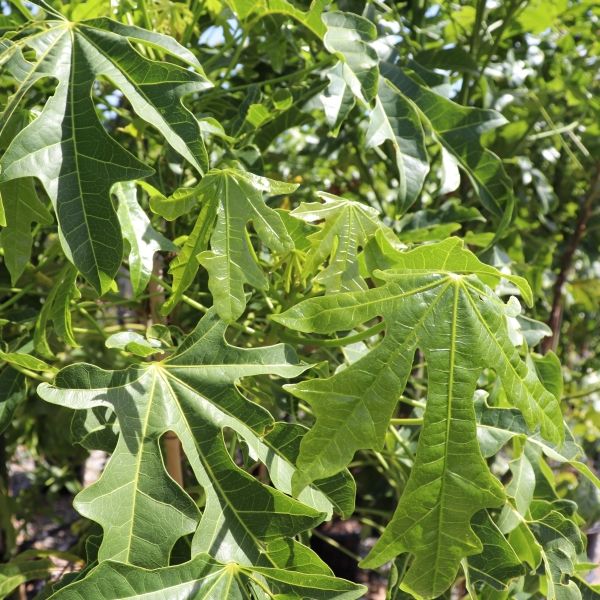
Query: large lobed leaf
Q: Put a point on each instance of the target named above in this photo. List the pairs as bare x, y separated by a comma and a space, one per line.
230, 199
402, 109
205, 579
429, 300
68, 149
192, 393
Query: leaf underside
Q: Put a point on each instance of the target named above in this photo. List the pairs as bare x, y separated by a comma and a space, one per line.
432, 303
143, 511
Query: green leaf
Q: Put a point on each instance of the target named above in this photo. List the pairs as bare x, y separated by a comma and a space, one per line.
498, 563
392, 118
561, 543
458, 129
184, 267
347, 226
448, 256
337, 99
460, 326
57, 309
263, 8
22, 208
20, 359
205, 578
68, 149
520, 489
193, 393
349, 36
401, 104
395, 118
133, 342
12, 393
452, 59
143, 239
20, 570
498, 425
237, 199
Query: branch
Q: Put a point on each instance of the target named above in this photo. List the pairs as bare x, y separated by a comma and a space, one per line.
585, 212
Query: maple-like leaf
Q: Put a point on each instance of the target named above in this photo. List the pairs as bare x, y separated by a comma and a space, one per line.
203, 578
193, 393
67, 148
433, 299
347, 227
230, 199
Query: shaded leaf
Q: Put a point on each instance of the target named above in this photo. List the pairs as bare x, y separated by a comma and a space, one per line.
262, 8
57, 310
133, 342
68, 149
20, 570
142, 238
498, 563
12, 392
22, 207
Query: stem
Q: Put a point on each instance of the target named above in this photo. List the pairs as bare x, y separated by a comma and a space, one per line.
172, 445
336, 545
219, 91
473, 51
585, 212
335, 342
411, 402
30, 374
582, 393
408, 421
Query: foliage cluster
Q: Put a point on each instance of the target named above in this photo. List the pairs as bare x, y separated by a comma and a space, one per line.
403, 193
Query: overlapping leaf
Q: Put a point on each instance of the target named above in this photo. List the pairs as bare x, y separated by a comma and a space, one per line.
347, 227
310, 18
141, 509
402, 106
234, 199
22, 207
203, 578
428, 301
57, 311
12, 392
498, 563
143, 240
68, 149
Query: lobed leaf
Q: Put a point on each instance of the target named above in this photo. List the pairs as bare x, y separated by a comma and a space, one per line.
205, 578
460, 326
233, 198
192, 393
68, 149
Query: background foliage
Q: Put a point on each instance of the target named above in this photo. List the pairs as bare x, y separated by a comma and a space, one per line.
403, 193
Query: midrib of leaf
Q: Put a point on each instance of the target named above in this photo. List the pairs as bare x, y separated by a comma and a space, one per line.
227, 211
76, 151
451, 367
214, 480
408, 294
139, 461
